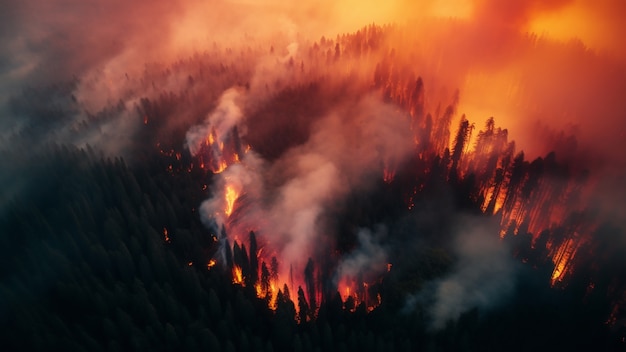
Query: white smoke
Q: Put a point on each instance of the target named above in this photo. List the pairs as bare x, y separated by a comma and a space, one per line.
226, 116
344, 153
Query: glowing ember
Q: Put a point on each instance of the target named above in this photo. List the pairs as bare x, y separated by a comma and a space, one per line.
211, 263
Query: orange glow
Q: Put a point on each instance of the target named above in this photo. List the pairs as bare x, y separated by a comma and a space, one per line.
222, 166
237, 275
211, 263
165, 235
592, 23
562, 259
273, 296
499, 201
499, 70
230, 197
452, 8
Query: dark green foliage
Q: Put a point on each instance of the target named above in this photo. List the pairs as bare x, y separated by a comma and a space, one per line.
86, 266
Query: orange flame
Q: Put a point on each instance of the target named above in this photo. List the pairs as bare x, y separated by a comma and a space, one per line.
211, 264
562, 258
231, 196
237, 275
222, 166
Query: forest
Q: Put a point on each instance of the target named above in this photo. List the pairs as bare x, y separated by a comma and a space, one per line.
107, 243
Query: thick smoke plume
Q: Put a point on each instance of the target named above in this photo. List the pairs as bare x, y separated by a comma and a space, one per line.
286, 201
483, 49
219, 123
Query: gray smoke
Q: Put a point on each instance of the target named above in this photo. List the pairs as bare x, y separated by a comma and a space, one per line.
482, 277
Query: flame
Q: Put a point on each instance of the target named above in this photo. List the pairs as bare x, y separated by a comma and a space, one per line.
230, 196
562, 259
165, 235
358, 291
518, 201
221, 167
211, 264
237, 275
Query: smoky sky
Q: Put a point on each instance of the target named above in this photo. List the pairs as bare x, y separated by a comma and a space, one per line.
535, 66
555, 64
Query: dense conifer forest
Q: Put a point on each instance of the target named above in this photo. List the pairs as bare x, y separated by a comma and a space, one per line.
104, 247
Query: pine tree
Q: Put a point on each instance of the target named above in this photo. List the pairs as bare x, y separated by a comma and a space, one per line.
254, 261
309, 281
303, 306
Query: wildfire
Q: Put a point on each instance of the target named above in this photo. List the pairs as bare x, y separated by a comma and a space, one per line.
237, 275
211, 264
221, 167
230, 196
563, 258
482, 163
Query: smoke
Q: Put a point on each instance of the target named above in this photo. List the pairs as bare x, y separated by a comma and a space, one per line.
368, 258
521, 61
219, 123
287, 201
485, 51
244, 179
482, 277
